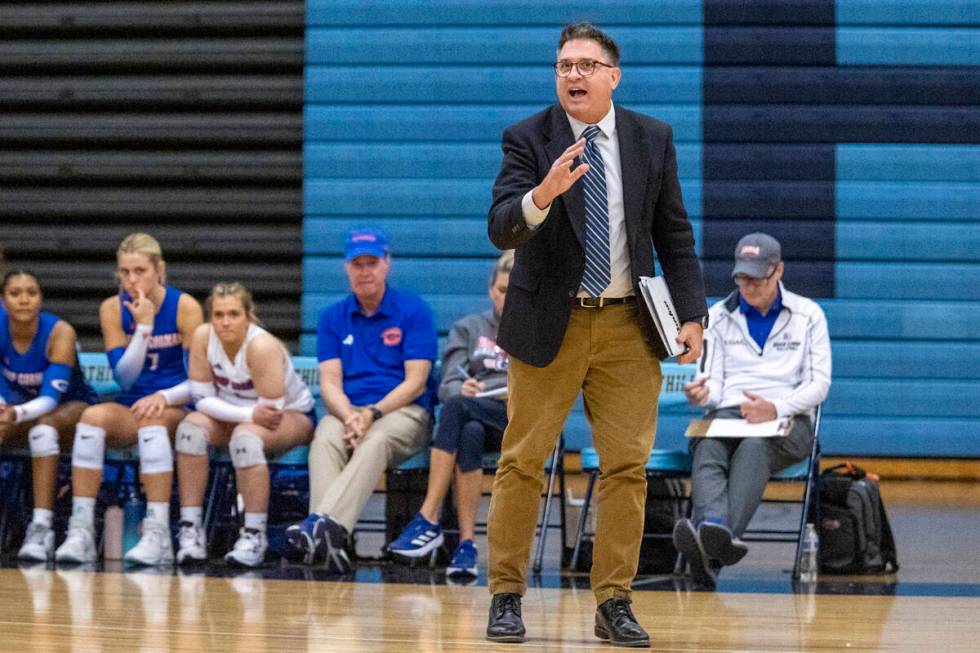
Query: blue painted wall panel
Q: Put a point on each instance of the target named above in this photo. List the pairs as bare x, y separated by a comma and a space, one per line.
909, 200
511, 84
339, 160
907, 12
473, 45
906, 359
868, 173
899, 241
902, 46
424, 197
501, 13
908, 162
436, 123
908, 281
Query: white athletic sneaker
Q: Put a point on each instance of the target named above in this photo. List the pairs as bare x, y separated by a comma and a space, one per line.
249, 550
38, 543
190, 544
154, 548
79, 545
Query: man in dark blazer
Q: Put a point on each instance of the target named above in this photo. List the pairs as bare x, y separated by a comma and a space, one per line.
585, 193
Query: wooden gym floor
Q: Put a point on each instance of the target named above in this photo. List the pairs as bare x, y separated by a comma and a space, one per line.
932, 604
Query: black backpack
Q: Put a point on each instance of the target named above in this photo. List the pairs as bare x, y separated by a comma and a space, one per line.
855, 537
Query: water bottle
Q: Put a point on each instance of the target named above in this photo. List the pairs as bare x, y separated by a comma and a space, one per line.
112, 533
133, 510
808, 562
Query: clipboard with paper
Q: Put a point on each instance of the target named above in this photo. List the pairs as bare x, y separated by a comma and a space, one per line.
738, 428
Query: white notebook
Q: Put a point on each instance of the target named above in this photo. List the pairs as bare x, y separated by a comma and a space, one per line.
657, 298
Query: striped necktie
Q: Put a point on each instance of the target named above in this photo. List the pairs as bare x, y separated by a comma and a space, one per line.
597, 267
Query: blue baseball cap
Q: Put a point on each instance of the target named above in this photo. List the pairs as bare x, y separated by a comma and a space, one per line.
365, 240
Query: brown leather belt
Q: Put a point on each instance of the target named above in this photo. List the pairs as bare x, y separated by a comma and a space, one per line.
599, 302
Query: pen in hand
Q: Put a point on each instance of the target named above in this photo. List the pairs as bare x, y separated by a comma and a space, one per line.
462, 370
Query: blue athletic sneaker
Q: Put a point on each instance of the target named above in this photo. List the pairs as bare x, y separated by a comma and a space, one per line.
419, 538
464, 560
308, 538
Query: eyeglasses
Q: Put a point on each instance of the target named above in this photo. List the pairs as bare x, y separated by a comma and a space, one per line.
585, 67
746, 280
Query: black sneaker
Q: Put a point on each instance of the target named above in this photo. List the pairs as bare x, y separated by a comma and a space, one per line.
687, 542
505, 624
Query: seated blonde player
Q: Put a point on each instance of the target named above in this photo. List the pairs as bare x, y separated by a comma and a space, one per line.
248, 398
146, 327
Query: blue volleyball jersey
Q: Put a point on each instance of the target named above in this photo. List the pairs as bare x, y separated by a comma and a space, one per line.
24, 373
164, 364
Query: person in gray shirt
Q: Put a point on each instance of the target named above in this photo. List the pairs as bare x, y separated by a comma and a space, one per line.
473, 394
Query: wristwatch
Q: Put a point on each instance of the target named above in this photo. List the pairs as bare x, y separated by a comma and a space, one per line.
376, 413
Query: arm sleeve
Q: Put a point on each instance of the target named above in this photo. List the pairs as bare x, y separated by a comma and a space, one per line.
177, 395
455, 356
201, 389
127, 366
34, 408
815, 374
55, 382
224, 411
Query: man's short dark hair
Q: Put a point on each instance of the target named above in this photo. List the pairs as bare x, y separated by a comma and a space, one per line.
590, 32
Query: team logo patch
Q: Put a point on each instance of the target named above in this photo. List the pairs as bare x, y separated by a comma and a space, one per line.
749, 250
391, 336
61, 385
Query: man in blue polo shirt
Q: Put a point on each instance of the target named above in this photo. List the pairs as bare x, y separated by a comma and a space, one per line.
766, 355
376, 348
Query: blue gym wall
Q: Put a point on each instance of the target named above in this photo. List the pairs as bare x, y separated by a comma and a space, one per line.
849, 129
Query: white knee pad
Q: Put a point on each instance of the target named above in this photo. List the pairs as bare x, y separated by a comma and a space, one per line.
192, 439
246, 449
43, 439
89, 449
156, 456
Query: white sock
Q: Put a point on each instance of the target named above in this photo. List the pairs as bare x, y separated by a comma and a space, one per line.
159, 512
43, 516
192, 514
255, 520
83, 509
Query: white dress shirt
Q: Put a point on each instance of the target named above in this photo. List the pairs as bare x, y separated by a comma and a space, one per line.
620, 284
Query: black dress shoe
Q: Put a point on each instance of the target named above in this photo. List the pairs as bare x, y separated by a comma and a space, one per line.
505, 624
615, 623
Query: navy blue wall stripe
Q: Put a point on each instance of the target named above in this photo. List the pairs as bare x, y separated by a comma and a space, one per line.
839, 85
769, 12
764, 166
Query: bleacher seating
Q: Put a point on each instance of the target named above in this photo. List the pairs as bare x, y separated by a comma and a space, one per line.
861, 155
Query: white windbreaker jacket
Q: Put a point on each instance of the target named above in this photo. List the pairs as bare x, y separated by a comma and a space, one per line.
792, 370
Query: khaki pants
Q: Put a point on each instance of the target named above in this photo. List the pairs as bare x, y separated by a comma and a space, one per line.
342, 480
603, 354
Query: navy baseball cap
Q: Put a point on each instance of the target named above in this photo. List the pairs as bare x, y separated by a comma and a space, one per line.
365, 240
755, 254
